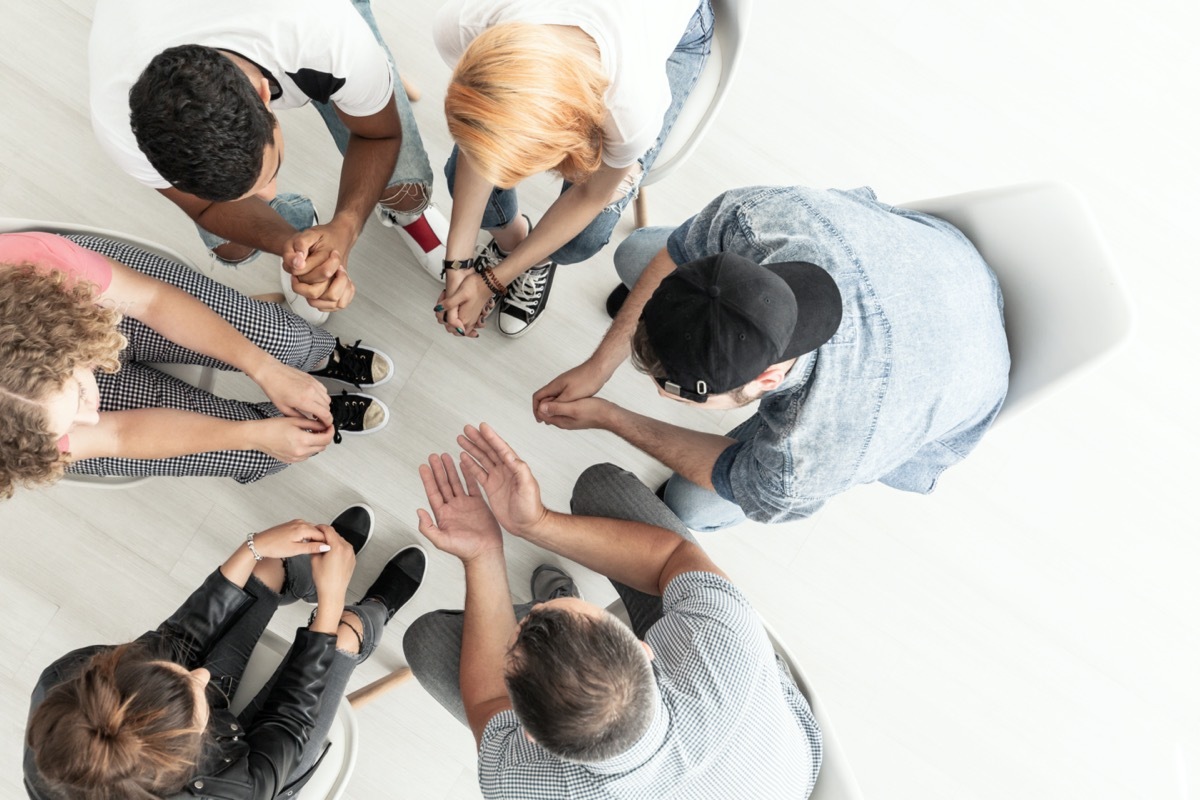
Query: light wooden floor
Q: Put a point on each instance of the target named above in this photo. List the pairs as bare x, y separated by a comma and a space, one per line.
1030, 630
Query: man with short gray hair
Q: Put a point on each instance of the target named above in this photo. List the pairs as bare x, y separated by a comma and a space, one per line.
692, 702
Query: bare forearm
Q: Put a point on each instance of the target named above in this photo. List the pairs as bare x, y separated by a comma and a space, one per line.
690, 453
562, 222
488, 622
186, 321
251, 222
365, 172
161, 433
614, 348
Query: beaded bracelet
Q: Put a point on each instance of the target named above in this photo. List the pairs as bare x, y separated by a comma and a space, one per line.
250, 544
492, 282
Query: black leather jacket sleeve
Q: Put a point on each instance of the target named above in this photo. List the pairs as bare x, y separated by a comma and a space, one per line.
201, 620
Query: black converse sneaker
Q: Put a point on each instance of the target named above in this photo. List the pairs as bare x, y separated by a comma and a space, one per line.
400, 579
358, 365
355, 414
526, 299
548, 582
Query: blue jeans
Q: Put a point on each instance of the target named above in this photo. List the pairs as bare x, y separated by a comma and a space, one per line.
412, 165
683, 70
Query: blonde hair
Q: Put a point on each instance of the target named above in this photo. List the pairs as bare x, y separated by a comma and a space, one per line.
526, 99
51, 325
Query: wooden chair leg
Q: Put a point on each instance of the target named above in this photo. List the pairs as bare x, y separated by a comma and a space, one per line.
414, 94
376, 688
641, 216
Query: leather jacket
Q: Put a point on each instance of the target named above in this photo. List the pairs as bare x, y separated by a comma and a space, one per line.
252, 763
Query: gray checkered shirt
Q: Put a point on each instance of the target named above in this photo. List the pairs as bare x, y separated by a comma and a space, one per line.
731, 724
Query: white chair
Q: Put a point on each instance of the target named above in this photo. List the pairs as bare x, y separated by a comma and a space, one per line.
731, 19
1065, 307
200, 377
836, 780
333, 773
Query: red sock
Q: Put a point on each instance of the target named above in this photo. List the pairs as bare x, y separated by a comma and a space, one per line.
420, 231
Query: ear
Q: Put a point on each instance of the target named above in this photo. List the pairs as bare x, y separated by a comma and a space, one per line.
263, 87
649, 652
772, 376
530, 737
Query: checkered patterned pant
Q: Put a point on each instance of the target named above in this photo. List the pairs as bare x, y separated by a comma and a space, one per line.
139, 385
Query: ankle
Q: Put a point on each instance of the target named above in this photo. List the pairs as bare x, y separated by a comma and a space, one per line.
512, 234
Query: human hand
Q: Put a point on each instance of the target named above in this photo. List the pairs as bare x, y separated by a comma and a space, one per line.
512, 491
290, 439
316, 258
574, 384
290, 539
461, 524
332, 570
577, 415
463, 307
295, 393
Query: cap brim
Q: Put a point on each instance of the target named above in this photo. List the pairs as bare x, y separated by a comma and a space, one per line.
818, 305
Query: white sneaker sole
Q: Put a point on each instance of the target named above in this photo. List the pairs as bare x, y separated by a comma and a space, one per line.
298, 304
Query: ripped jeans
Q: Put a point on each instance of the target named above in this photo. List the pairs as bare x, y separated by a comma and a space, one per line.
683, 70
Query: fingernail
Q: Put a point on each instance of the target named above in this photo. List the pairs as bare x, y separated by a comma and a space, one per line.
324, 548
461, 332
438, 307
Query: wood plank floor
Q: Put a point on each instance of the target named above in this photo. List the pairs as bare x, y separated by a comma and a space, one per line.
1027, 631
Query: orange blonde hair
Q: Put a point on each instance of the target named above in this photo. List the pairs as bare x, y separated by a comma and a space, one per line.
51, 325
526, 99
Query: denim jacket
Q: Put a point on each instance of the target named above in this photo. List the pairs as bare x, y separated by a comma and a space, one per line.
907, 385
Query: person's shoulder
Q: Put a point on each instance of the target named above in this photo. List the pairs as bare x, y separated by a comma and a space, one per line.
707, 594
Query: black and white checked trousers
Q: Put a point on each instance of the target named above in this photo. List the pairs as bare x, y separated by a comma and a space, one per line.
271, 326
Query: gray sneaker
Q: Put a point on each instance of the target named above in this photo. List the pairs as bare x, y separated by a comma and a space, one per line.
548, 582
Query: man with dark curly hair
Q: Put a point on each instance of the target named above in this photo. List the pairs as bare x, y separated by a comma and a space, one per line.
183, 98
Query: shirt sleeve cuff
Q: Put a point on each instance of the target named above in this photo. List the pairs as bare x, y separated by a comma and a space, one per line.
722, 471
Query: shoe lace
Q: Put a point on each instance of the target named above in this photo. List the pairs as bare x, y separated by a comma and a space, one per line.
346, 410
490, 256
352, 363
526, 289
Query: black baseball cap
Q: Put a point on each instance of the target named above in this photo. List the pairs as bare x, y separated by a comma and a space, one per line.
717, 322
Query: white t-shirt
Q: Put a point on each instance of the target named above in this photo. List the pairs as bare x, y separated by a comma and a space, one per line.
635, 39
311, 49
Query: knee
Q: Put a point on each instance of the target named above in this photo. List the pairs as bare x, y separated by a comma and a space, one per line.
699, 509
633, 255
590, 240
429, 638
596, 482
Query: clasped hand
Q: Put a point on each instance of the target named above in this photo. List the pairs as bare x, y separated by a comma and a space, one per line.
316, 259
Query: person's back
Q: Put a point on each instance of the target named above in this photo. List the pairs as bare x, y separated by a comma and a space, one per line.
919, 366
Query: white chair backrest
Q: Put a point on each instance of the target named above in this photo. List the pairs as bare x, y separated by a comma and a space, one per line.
836, 780
331, 777
1064, 303
200, 377
730, 22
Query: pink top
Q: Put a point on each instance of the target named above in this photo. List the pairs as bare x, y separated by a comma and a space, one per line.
49, 251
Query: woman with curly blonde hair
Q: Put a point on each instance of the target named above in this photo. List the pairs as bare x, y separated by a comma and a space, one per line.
583, 88
81, 321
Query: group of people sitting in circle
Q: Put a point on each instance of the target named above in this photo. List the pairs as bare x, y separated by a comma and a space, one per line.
871, 337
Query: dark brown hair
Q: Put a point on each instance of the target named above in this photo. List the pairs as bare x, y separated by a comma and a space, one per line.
123, 727
642, 353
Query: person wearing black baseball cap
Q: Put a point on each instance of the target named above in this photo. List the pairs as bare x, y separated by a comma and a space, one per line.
872, 337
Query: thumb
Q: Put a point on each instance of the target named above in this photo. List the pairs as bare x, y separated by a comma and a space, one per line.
295, 252
427, 526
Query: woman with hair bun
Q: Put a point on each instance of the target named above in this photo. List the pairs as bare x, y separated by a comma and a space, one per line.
82, 320
583, 88
150, 718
